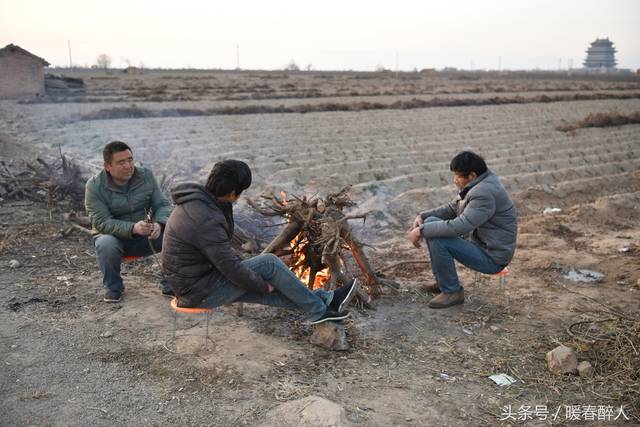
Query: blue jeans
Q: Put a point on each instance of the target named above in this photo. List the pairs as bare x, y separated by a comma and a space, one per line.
109, 253
289, 291
443, 253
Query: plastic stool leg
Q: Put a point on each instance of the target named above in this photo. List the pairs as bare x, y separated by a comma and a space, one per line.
206, 330
175, 323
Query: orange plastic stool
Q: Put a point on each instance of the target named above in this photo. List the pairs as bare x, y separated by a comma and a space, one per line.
190, 310
130, 258
502, 274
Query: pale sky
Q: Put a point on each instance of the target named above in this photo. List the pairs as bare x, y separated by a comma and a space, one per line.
328, 34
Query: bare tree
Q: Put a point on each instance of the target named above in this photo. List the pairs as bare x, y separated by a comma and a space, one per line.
103, 61
292, 66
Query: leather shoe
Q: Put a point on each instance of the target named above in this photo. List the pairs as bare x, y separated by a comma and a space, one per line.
447, 300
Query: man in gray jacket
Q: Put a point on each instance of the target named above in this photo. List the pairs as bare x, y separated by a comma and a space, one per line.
204, 270
483, 213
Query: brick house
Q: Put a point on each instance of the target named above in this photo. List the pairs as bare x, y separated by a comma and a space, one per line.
21, 73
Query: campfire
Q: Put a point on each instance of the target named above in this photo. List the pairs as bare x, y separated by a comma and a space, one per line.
317, 240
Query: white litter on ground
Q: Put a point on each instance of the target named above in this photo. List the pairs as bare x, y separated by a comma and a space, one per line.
583, 275
502, 379
549, 211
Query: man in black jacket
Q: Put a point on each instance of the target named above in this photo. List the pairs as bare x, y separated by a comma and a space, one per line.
205, 271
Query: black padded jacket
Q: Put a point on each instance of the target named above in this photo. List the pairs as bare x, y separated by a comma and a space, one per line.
197, 251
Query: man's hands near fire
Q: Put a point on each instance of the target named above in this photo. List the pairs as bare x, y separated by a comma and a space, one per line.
417, 222
415, 236
143, 228
156, 229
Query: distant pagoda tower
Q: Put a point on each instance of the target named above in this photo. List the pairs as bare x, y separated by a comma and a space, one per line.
601, 54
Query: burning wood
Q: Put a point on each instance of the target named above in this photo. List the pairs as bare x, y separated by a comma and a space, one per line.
315, 239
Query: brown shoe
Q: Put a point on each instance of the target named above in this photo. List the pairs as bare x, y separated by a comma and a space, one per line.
431, 287
447, 300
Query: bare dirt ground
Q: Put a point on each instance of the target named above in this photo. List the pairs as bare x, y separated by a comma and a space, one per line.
69, 359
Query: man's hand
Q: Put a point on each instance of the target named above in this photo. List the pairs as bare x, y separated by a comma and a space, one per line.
142, 228
155, 231
415, 236
417, 222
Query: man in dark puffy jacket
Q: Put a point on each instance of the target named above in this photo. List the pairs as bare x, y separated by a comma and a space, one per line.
483, 212
117, 201
205, 271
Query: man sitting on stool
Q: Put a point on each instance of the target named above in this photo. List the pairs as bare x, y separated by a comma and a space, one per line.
205, 271
483, 210
117, 200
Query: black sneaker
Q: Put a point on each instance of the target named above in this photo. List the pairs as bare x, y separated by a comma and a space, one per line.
331, 315
343, 296
112, 296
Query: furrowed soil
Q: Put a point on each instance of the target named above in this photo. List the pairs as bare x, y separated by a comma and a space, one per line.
70, 359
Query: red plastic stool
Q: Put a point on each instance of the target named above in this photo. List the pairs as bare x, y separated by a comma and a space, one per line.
190, 310
130, 258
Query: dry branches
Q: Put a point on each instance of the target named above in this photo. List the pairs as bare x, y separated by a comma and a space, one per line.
316, 235
600, 120
44, 181
614, 344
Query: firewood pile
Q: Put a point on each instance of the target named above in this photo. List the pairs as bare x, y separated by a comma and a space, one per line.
317, 238
49, 181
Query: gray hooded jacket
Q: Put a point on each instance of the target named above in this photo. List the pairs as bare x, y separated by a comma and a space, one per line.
484, 209
197, 252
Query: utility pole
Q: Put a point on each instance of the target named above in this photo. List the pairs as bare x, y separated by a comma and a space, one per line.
237, 57
570, 60
397, 62
70, 61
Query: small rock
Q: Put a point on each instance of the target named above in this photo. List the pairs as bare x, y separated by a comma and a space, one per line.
585, 369
308, 412
562, 360
330, 335
107, 334
14, 263
494, 328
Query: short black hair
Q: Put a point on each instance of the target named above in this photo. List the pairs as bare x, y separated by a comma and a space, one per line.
114, 147
227, 176
466, 162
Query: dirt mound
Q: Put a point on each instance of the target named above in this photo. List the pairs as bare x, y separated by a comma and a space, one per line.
535, 200
619, 210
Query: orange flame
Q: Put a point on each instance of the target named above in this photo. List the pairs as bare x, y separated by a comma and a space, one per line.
301, 270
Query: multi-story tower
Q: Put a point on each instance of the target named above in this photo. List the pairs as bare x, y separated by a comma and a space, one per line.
601, 54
